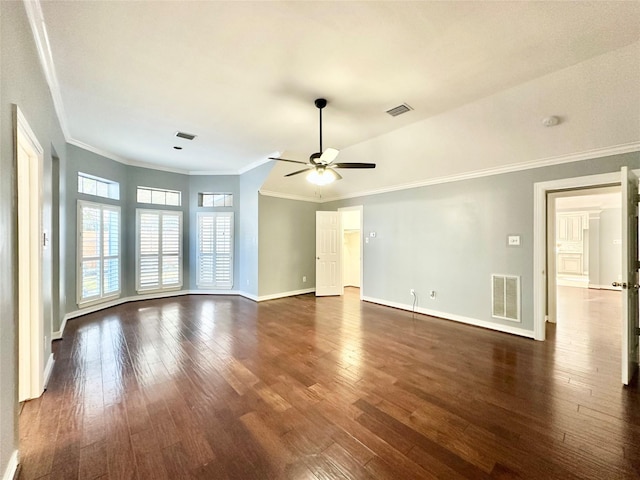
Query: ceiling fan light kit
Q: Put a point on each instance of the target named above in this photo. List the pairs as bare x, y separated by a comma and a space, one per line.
320, 165
322, 176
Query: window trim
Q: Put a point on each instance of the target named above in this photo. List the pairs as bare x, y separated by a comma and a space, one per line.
160, 288
226, 195
112, 186
79, 258
162, 190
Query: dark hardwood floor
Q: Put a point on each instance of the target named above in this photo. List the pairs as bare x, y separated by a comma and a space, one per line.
326, 388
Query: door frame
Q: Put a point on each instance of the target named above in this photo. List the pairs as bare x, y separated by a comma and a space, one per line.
29, 182
540, 277
552, 267
359, 208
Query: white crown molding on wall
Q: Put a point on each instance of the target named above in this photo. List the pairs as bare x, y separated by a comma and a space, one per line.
39, 30
116, 158
515, 167
286, 196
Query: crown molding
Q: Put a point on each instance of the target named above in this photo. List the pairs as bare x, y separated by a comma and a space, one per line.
287, 196
39, 30
516, 167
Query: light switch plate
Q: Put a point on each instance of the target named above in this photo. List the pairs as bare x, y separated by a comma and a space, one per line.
513, 240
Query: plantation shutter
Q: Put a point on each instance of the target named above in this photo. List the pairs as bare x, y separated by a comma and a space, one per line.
215, 250
98, 251
159, 250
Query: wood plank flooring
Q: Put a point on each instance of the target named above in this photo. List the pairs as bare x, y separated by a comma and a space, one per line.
201, 387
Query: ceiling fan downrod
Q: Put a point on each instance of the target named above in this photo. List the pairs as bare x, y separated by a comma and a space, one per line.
321, 103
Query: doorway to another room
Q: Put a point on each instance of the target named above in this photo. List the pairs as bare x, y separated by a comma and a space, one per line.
584, 247
351, 226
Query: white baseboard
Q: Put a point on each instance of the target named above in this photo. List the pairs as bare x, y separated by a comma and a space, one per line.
12, 466
47, 370
248, 295
456, 318
291, 293
57, 335
604, 287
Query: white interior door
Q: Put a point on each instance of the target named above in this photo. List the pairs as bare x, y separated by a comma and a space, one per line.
629, 182
328, 253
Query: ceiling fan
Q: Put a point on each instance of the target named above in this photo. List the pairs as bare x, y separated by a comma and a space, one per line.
320, 166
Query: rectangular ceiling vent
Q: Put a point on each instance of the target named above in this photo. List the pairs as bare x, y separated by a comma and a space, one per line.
186, 136
399, 110
505, 291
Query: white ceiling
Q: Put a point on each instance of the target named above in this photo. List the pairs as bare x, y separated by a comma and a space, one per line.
590, 199
243, 75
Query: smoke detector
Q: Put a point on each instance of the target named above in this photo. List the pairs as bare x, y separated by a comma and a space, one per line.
550, 121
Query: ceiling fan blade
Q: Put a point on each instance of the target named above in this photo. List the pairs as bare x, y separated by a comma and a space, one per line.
328, 156
299, 171
354, 165
287, 160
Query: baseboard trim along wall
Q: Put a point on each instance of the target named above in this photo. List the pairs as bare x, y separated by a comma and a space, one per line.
604, 287
291, 293
12, 466
456, 318
47, 370
57, 335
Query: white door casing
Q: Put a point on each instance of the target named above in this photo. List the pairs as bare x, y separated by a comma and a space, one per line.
629, 183
328, 254
30, 244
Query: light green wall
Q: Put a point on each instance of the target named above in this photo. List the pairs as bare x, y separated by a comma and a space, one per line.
287, 245
451, 237
247, 228
22, 83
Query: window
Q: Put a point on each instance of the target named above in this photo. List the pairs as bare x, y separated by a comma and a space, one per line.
215, 250
98, 252
90, 185
216, 199
158, 250
157, 196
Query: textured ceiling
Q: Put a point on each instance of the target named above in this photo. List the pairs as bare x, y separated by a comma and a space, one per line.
242, 76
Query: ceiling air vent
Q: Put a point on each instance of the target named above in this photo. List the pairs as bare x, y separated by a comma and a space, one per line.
399, 110
186, 136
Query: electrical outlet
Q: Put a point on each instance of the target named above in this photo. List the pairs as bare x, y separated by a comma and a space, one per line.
304, 279
432, 294
412, 292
